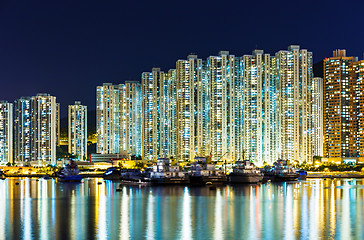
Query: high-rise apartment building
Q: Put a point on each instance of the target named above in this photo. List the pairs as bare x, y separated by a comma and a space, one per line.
6, 132
77, 130
130, 109
202, 109
36, 130
170, 128
189, 72
44, 128
225, 79
119, 118
340, 111
294, 73
151, 92
168, 109
107, 119
359, 68
318, 116
261, 112
22, 131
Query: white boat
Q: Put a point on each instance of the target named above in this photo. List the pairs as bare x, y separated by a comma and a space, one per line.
163, 173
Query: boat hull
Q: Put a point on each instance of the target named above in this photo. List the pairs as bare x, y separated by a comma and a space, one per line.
70, 178
302, 175
242, 178
284, 177
202, 180
215, 180
196, 181
169, 181
112, 177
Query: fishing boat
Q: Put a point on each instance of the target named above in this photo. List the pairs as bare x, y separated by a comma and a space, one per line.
282, 171
202, 173
165, 174
245, 172
70, 173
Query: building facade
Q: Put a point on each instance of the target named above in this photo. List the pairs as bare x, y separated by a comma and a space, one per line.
44, 127
130, 109
77, 130
22, 130
119, 118
189, 72
107, 119
6, 132
294, 73
151, 103
340, 107
261, 112
318, 116
225, 104
359, 69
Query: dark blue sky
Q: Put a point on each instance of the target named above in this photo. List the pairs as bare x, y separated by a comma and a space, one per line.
67, 48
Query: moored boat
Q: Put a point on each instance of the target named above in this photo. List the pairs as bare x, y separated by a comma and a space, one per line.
70, 173
302, 174
112, 173
245, 172
131, 175
281, 172
202, 173
165, 174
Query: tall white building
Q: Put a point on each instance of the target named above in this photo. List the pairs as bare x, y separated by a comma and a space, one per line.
170, 128
22, 130
119, 118
44, 124
6, 132
318, 116
260, 113
77, 130
188, 73
151, 82
130, 109
167, 114
107, 119
224, 73
294, 72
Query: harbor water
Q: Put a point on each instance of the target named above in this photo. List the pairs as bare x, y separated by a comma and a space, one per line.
32, 208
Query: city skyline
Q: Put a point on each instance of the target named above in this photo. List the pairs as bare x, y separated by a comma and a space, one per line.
261, 107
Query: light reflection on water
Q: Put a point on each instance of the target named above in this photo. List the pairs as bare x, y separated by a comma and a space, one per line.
309, 209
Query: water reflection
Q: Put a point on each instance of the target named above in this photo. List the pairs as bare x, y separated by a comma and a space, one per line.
313, 209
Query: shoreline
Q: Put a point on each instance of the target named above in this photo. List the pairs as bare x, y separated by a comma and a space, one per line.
309, 175
96, 175
335, 174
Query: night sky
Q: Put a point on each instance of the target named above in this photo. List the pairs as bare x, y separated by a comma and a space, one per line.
67, 48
